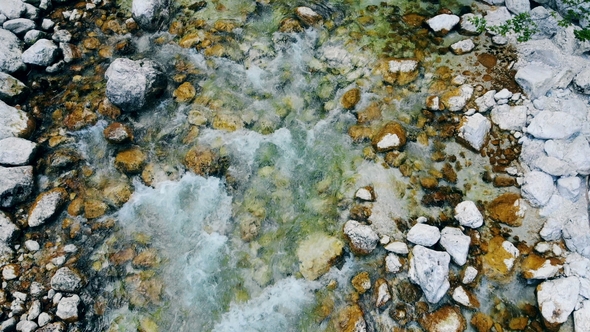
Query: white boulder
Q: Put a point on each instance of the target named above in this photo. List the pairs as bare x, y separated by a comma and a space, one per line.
392, 263
13, 122
554, 125
456, 244
430, 270
16, 151
582, 317
558, 298
569, 187
468, 215
535, 79
443, 23
16, 184
538, 188
424, 235
474, 129
397, 247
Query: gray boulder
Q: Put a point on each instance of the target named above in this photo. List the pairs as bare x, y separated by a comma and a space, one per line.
66, 280
16, 184
32, 12
12, 91
42, 53
15, 151
13, 122
10, 52
8, 230
547, 24
67, 308
554, 125
31, 37
151, 15
12, 8
19, 26
535, 80
518, 6
131, 85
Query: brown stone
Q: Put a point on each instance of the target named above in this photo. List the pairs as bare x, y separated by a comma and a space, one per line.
350, 319
518, 323
350, 98
360, 212
482, 322
361, 282
109, 110
146, 259
307, 15
185, 92
202, 161
118, 133
118, 194
533, 263
94, 208
76, 207
487, 60
498, 262
503, 180
290, 25
226, 121
190, 40
130, 161
80, 118
371, 113
91, 43
428, 182
414, 20
449, 173
106, 52
506, 209
447, 318
360, 133
122, 256
176, 28
391, 137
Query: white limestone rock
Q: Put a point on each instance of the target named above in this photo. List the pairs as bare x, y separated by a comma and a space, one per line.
474, 130
569, 187
365, 194
462, 46
32, 245
19, 26
12, 8
424, 235
459, 99
16, 184
578, 155
518, 6
461, 296
486, 101
46, 206
496, 16
554, 166
151, 15
43, 53
509, 117
67, 308
13, 122
545, 271
10, 53
554, 125
547, 24
582, 81
16, 151
469, 275
538, 188
382, 294
535, 79
443, 23
44, 319
503, 94
12, 91
66, 280
576, 233
34, 310
430, 270
582, 317
468, 215
363, 239
558, 298
466, 25
392, 263
32, 36
397, 247
308, 15
26, 326
8, 230
456, 244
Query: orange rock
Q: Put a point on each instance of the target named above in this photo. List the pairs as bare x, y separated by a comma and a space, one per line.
351, 98
361, 282
447, 318
350, 319
506, 209
391, 136
130, 161
482, 322
94, 208
500, 258
202, 161
185, 92
118, 133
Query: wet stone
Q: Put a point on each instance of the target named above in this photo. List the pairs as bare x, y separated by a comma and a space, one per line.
151, 15
16, 151
43, 53
66, 280
381, 293
94, 208
391, 136
317, 253
447, 318
185, 92
202, 161
67, 308
462, 47
361, 282
10, 53
118, 133
46, 206
13, 122
443, 24
131, 160
429, 269
363, 239
16, 184
351, 98
12, 91
308, 15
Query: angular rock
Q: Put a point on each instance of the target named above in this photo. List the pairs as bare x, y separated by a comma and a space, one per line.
397, 247
442, 24
547, 24
468, 215
131, 85
12, 91
424, 235
557, 298
13, 122
43, 53
456, 244
469, 275
382, 294
535, 80
456, 99
430, 269
486, 101
392, 263
506, 208
496, 16
12, 8
131, 160
509, 117
499, 260
569, 187
118, 133
554, 125
8, 230
577, 155
462, 296
391, 136
32, 36
16, 184
26, 326
447, 318
61, 36
16, 151
536, 267
462, 47
66, 280
582, 317
10, 53
46, 206
67, 308
474, 130
363, 239
361, 282
19, 26
317, 253
467, 27
538, 188
518, 6
70, 52
366, 194
151, 15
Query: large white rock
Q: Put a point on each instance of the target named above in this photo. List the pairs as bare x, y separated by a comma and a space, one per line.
486, 101
42, 53
582, 317
569, 187
10, 53
392, 263
474, 129
443, 23
456, 244
151, 15
430, 270
518, 6
12, 90
554, 125
12, 8
16, 151
67, 308
468, 215
466, 25
19, 26
13, 122
424, 235
535, 79
557, 298
578, 155
576, 233
46, 206
462, 46
317, 253
538, 188
66, 280
363, 238
509, 117
8, 230
16, 184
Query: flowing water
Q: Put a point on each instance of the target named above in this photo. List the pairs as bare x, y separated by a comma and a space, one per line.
220, 250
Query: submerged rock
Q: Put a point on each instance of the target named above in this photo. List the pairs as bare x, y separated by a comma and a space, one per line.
151, 15
317, 253
66, 280
462, 47
131, 160
447, 319
382, 294
12, 91
350, 319
308, 15
557, 299
132, 85
46, 206
400, 71
351, 98
391, 136
118, 133
363, 239
430, 269
16, 184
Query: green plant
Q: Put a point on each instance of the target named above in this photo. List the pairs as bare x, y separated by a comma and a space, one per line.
521, 24
572, 16
479, 22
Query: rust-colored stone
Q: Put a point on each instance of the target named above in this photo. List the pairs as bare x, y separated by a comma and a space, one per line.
506, 209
